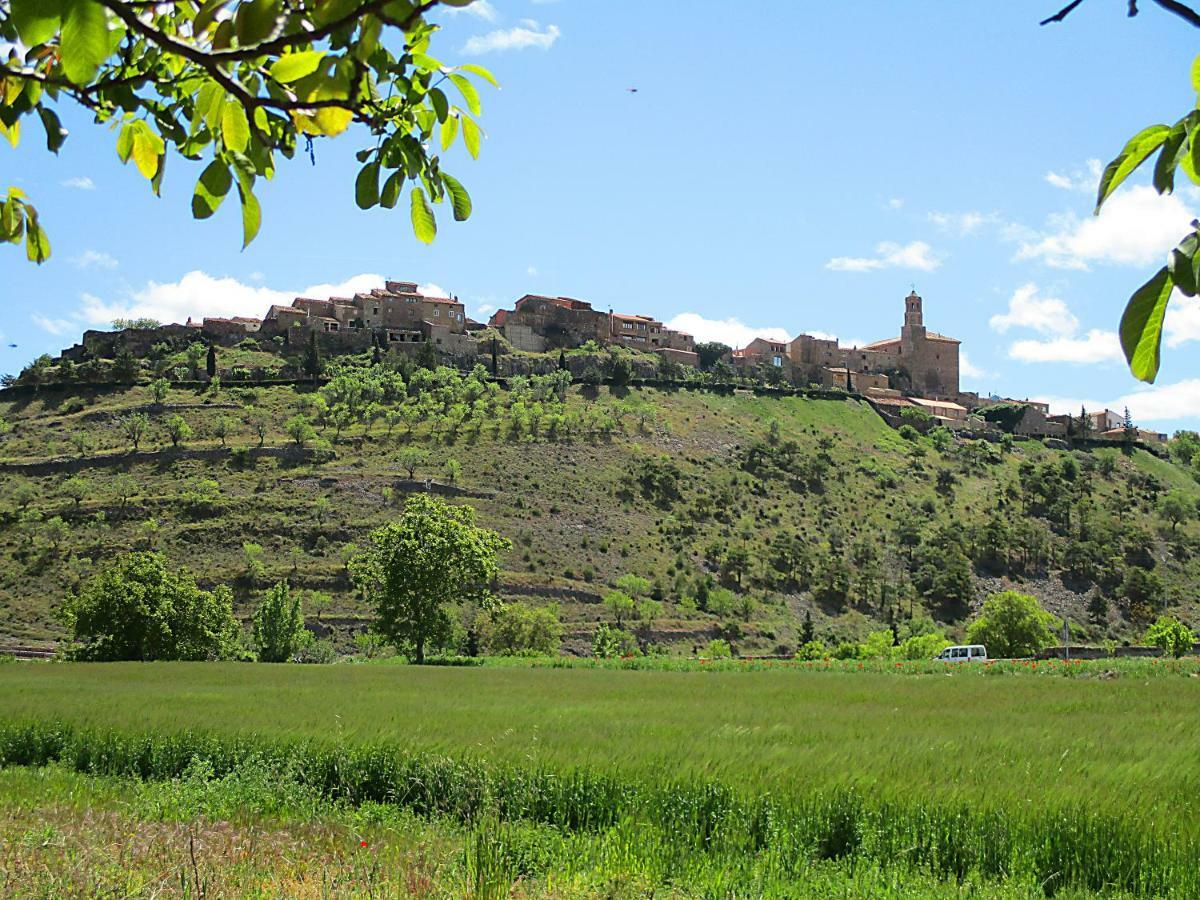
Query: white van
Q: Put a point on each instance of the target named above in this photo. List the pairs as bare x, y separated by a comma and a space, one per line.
965, 653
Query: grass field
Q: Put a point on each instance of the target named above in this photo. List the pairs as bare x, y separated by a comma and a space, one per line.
1005, 781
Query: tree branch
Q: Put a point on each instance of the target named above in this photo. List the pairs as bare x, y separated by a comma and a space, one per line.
1062, 13
1184, 12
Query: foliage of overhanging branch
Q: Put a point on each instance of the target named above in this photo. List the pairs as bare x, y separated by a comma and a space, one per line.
237, 84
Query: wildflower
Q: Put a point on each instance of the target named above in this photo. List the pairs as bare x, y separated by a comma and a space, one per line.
362, 843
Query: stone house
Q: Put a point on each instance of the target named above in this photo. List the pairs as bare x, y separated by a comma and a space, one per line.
1105, 421
946, 412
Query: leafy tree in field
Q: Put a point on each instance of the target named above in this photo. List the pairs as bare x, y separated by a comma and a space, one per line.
279, 632
143, 607
134, 425
126, 366
1012, 624
159, 388
220, 429
253, 567
923, 646
178, 430
1176, 506
300, 431
409, 458
520, 629
717, 648
1143, 586
243, 84
1171, 635
613, 642
453, 469
1185, 446
260, 424
432, 557
77, 488
619, 605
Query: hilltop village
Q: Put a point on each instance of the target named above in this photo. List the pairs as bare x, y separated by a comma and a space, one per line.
916, 370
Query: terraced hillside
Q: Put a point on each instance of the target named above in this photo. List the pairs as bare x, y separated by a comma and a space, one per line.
756, 518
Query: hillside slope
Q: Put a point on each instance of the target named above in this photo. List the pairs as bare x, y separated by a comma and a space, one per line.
803, 508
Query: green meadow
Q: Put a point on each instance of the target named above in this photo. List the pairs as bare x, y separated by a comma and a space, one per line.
945, 779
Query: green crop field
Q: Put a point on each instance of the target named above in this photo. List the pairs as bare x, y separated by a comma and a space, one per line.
1001, 783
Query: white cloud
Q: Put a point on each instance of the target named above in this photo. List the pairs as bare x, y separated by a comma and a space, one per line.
54, 326
198, 294
729, 331
93, 259
480, 9
889, 255
969, 370
82, 183
895, 203
1026, 309
484, 310
528, 34
1135, 228
531, 271
1097, 346
1148, 405
429, 289
962, 224
1084, 180
1182, 323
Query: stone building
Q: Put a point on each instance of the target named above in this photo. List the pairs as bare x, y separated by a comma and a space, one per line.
536, 324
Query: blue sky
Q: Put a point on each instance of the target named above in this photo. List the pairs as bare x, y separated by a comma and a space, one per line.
794, 167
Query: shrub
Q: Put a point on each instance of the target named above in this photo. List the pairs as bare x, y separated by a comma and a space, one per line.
923, 646
279, 632
811, 650
517, 629
611, 642
1170, 635
1012, 624
717, 648
142, 607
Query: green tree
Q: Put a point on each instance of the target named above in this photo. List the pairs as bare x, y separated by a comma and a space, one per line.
619, 605
77, 488
220, 429
1176, 506
409, 458
453, 469
1171, 635
245, 83
178, 430
159, 388
278, 630
710, 352
516, 629
134, 425
1012, 624
143, 607
314, 366
432, 557
126, 366
299, 430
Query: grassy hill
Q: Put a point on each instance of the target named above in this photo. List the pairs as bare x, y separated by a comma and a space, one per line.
803, 508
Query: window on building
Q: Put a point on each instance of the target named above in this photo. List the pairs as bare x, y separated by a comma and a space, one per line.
778, 360
437, 312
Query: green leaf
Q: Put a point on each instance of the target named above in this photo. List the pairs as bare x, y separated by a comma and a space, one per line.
148, 147
441, 106
470, 133
1181, 264
423, 223
207, 15
235, 127
467, 89
390, 195
1133, 155
481, 72
1196, 74
1141, 325
1173, 148
251, 211
294, 66
55, 133
125, 142
449, 132
157, 180
459, 198
37, 244
256, 21
366, 186
84, 42
36, 20
428, 63
211, 190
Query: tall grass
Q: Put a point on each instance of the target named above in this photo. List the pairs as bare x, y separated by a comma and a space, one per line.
670, 825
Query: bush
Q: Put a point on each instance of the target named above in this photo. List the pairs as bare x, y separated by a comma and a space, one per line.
1012, 624
923, 646
517, 629
717, 648
1171, 636
812, 650
142, 607
279, 632
611, 642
